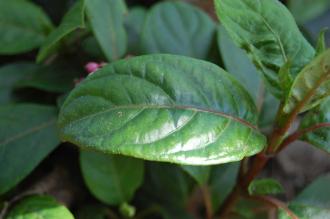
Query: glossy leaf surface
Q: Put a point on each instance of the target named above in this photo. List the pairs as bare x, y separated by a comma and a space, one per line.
318, 118
265, 187
311, 86
73, 20
177, 28
312, 202
39, 207
112, 179
107, 22
268, 33
26, 131
24, 26
163, 108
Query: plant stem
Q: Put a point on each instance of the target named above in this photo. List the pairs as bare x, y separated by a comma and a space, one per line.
207, 201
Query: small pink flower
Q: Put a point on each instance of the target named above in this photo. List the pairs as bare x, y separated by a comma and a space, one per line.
91, 67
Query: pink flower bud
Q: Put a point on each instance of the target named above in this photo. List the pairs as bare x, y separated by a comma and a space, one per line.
91, 67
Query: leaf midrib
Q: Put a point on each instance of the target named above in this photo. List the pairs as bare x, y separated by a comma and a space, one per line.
176, 107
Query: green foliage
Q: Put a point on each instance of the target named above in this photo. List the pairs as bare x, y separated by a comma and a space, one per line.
107, 22
177, 28
266, 186
73, 20
112, 179
39, 207
178, 115
24, 29
26, 131
320, 119
192, 125
313, 201
268, 33
311, 85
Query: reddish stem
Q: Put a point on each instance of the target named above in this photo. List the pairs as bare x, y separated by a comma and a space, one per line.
298, 134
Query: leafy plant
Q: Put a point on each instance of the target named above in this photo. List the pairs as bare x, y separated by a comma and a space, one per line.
179, 123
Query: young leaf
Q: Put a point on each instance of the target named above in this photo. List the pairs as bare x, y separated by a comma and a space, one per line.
268, 33
39, 207
200, 173
222, 181
311, 85
24, 26
313, 202
9, 75
134, 24
26, 131
73, 20
319, 120
163, 108
107, 22
177, 28
265, 187
112, 179
321, 44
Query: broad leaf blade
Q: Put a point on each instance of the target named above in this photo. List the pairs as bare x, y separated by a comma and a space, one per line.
107, 22
73, 20
41, 207
265, 187
24, 26
177, 28
269, 34
163, 108
311, 86
313, 202
318, 117
112, 179
26, 130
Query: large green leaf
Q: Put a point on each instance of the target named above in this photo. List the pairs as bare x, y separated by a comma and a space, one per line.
39, 207
27, 135
311, 86
107, 22
222, 180
73, 20
318, 118
112, 179
313, 202
177, 28
268, 33
9, 75
163, 108
305, 10
24, 26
